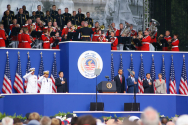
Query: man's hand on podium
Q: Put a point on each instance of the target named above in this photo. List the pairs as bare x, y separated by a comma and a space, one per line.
63, 82
124, 91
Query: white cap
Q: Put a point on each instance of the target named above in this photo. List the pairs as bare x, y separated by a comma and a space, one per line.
46, 72
32, 69
132, 118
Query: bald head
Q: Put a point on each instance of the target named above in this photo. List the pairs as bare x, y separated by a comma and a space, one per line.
170, 123
150, 117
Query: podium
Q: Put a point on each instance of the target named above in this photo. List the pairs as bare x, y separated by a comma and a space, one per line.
107, 87
76, 71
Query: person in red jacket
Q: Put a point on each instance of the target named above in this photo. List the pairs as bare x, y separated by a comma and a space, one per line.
118, 32
26, 40
46, 39
167, 37
113, 26
114, 41
101, 37
175, 43
133, 32
54, 38
67, 29
3, 37
146, 41
20, 35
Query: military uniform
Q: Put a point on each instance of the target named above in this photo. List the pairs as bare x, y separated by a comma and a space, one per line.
81, 17
67, 17
32, 85
6, 20
114, 43
74, 20
33, 18
26, 13
47, 19
11, 14
60, 20
40, 14
145, 43
90, 21
46, 85
53, 13
85, 33
21, 18
175, 44
2, 38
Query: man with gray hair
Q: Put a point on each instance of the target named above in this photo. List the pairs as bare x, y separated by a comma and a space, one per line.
45, 121
182, 120
150, 117
7, 121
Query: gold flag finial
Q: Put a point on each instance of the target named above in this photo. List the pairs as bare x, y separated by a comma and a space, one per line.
18, 52
163, 55
183, 56
131, 54
120, 54
152, 55
112, 54
7, 53
171, 55
54, 53
41, 54
141, 55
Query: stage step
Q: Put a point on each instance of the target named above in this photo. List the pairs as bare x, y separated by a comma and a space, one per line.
99, 114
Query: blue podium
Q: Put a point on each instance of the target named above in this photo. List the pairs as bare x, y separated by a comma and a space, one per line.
79, 59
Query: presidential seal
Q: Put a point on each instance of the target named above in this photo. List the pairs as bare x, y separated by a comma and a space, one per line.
109, 85
88, 62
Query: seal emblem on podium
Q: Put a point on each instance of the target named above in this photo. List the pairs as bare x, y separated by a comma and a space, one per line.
88, 62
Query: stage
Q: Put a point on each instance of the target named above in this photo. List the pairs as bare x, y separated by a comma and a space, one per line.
51, 104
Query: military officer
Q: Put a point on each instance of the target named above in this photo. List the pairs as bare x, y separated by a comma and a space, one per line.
31, 79
47, 18
53, 12
39, 13
21, 18
66, 15
86, 32
25, 11
89, 20
7, 19
80, 16
59, 18
10, 12
46, 83
74, 19
33, 17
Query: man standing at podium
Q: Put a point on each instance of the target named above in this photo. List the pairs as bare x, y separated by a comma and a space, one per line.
120, 82
132, 83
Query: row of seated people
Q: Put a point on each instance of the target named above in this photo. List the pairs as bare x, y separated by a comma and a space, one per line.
53, 16
98, 35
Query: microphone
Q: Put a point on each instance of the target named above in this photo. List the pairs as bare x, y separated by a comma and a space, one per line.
107, 77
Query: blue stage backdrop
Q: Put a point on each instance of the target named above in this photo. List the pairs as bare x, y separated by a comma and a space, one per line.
48, 57
147, 60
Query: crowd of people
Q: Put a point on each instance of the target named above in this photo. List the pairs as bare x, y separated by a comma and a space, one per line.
148, 117
40, 31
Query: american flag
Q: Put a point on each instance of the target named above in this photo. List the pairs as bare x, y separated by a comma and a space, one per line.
183, 82
54, 75
7, 86
18, 82
141, 77
163, 72
153, 77
121, 63
112, 68
27, 70
131, 66
172, 86
41, 70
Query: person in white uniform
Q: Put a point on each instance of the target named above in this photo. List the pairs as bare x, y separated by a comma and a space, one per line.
46, 83
32, 81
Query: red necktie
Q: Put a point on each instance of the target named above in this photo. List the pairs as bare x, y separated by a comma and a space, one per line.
121, 79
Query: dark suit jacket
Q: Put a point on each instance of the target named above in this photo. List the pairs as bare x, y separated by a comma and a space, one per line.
148, 88
131, 85
61, 87
120, 87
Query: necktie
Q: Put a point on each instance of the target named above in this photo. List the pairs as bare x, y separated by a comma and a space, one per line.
121, 79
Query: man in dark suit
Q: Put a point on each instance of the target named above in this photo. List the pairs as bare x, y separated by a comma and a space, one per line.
120, 82
132, 83
61, 83
148, 84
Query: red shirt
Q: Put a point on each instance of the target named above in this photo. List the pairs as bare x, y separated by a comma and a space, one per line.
26, 41
101, 38
46, 41
145, 43
2, 38
114, 42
